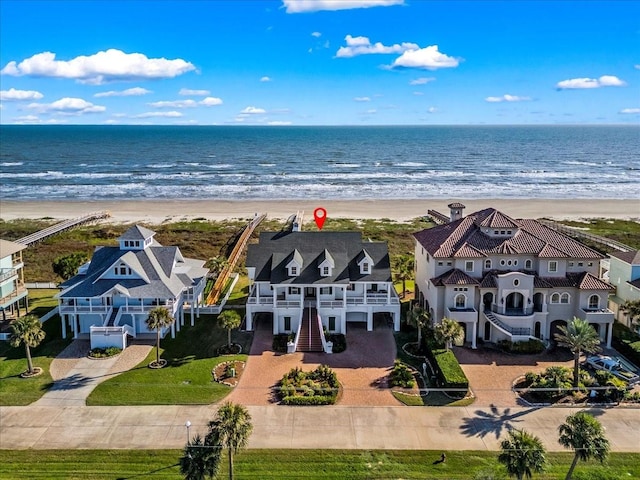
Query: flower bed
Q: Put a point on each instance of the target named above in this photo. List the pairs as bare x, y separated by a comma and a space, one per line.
228, 373
233, 349
318, 387
108, 352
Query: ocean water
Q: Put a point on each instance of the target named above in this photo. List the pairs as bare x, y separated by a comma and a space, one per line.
239, 163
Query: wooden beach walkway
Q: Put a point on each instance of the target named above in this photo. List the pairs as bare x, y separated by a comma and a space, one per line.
221, 281
62, 226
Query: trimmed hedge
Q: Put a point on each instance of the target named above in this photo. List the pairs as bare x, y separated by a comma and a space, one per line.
448, 370
318, 387
527, 347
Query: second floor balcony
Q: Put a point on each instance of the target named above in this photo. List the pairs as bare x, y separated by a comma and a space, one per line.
596, 315
462, 314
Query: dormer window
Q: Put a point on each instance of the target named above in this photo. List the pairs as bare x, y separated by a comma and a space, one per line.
293, 271
295, 264
365, 267
122, 270
326, 271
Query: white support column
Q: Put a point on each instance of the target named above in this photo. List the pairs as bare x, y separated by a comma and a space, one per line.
63, 324
389, 287
475, 335
609, 334
173, 330
369, 319
249, 316
192, 312
275, 296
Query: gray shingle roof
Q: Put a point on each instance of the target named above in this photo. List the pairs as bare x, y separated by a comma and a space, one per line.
270, 256
9, 248
137, 233
163, 273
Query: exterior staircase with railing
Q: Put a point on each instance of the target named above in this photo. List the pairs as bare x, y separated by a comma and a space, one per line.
309, 338
513, 331
112, 318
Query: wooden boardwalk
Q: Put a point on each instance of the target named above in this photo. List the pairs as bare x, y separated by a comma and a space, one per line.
574, 232
61, 227
221, 281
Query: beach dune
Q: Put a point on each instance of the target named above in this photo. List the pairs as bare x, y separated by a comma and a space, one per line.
158, 211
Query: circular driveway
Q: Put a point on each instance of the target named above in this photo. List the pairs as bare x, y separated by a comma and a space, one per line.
361, 369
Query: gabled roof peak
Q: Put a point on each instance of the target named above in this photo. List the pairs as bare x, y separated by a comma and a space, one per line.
137, 232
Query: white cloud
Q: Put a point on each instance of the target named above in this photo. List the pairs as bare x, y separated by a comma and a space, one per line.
428, 58
371, 111
637, 67
253, 110
418, 93
581, 83
69, 106
507, 98
107, 66
17, 95
301, 6
265, 79
422, 81
316, 34
279, 123
172, 114
432, 110
361, 99
129, 92
363, 46
27, 119
630, 110
211, 101
174, 104
194, 93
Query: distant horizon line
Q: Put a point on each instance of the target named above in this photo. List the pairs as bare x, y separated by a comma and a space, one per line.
329, 125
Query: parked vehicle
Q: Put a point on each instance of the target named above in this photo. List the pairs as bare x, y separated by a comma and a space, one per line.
613, 366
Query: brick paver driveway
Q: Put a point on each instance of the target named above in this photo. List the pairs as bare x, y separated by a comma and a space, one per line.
491, 374
361, 369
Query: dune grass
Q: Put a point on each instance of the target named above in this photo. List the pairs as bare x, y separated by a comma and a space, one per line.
187, 378
298, 464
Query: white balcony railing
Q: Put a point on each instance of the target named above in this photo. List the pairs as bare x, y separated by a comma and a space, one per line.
597, 315
462, 314
288, 304
7, 273
74, 309
260, 300
331, 303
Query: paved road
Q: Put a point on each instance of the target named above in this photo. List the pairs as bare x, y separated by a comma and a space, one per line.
444, 428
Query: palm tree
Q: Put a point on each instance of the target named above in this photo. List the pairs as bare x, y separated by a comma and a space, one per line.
28, 331
230, 429
199, 460
420, 318
585, 435
229, 319
403, 270
632, 309
449, 331
158, 319
579, 337
216, 264
522, 453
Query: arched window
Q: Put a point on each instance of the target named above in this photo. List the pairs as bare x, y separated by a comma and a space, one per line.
564, 298
528, 264
594, 302
461, 301
555, 298
487, 264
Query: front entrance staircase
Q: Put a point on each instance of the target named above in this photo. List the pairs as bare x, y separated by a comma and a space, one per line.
309, 339
500, 325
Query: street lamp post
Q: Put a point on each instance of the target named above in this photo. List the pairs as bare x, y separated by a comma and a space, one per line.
188, 425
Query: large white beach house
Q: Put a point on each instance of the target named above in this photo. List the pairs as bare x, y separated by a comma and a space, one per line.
502, 278
308, 279
12, 287
111, 295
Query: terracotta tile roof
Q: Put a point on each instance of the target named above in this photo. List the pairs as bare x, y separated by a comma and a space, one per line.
558, 282
531, 237
497, 219
468, 251
632, 257
587, 281
539, 282
456, 205
489, 280
454, 277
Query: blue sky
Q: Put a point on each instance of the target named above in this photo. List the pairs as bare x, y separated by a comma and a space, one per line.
320, 62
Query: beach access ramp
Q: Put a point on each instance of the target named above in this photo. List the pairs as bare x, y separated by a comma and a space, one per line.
62, 227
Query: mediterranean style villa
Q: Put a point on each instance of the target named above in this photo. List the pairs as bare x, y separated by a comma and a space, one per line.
112, 294
502, 278
624, 275
12, 288
310, 281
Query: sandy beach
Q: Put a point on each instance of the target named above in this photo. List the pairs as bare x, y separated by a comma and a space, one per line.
158, 211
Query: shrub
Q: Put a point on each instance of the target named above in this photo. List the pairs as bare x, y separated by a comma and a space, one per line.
280, 343
448, 370
401, 376
318, 387
339, 342
556, 378
530, 346
105, 352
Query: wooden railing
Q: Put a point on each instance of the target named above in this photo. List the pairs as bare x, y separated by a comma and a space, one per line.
61, 227
574, 232
223, 277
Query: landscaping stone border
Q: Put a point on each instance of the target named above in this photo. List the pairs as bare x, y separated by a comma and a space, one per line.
230, 362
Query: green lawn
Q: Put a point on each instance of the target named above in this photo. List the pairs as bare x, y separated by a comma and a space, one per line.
186, 380
298, 464
13, 361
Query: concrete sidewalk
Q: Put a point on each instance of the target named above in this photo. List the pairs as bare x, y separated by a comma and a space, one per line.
336, 427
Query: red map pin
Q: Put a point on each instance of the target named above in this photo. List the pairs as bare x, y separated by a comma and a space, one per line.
320, 215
